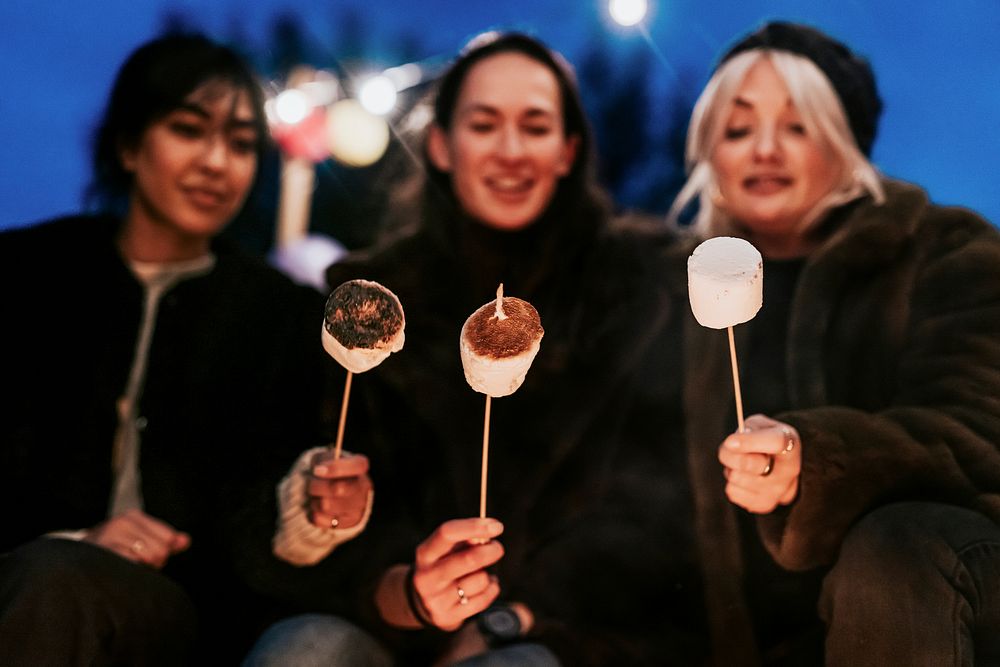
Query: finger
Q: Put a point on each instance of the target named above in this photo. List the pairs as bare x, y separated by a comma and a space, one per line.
445, 573
744, 462
451, 533
337, 518
765, 441
335, 488
474, 584
752, 502
324, 466
447, 611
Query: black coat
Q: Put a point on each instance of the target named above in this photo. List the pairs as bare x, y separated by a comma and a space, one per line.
570, 450
232, 395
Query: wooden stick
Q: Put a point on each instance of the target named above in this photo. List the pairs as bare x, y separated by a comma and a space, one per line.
486, 458
736, 379
343, 416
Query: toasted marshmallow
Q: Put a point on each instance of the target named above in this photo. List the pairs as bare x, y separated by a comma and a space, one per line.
725, 282
363, 325
498, 343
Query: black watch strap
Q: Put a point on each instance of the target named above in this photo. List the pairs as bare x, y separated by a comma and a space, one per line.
499, 624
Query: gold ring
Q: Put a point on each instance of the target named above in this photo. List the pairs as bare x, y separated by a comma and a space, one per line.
789, 440
138, 547
769, 467
334, 521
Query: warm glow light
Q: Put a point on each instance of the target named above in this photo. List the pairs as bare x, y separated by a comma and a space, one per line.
357, 138
627, 12
292, 106
378, 95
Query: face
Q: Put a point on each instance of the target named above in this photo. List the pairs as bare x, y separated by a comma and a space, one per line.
192, 170
506, 149
771, 171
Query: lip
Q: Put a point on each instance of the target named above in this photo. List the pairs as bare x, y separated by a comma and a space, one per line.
509, 187
766, 184
205, 197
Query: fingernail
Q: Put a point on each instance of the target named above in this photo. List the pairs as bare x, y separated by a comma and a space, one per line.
320, 470
494, 527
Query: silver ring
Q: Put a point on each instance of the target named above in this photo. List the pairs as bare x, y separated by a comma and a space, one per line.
789, 440
334, 521
462, 599
769, 467
138, 547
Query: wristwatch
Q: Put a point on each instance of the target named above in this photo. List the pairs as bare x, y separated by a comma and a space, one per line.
499, 625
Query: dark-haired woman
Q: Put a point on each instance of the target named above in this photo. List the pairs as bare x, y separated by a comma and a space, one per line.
507, 195
158, 383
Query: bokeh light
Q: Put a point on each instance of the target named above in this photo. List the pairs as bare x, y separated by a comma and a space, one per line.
627, 12
357, 138
378, 95
292, 106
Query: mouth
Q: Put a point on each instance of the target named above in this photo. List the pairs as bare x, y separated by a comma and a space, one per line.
509, 186
766, 184
205, 197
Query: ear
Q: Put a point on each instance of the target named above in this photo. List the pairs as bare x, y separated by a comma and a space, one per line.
126, 155
437, 148
569, 155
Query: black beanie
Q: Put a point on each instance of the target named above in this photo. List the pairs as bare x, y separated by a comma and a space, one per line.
850, 75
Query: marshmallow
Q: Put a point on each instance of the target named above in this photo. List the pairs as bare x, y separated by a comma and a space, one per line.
363, 325
725, 282
498, 343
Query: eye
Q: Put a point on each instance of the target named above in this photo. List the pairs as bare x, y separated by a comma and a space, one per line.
243, 145
536, 130
797, 128
482, 126
185, 129
733, 133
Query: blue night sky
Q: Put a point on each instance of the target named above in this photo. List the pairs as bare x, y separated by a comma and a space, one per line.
937, 65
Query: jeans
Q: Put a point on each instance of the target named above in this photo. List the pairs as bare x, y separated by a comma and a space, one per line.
316, 640
72, 603
320, 640
915, 584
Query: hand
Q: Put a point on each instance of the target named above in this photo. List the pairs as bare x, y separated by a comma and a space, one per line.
338, 490
761, 470
450, 580
139, 537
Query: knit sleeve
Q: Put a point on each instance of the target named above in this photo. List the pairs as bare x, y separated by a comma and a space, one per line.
297, 540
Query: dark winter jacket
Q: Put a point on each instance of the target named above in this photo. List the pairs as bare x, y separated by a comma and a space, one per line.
893, 372
232, 395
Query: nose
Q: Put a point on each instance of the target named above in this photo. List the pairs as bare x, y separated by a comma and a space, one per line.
511, 144
766, 147
216, 153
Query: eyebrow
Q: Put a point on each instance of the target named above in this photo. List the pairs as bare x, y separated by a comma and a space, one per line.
232, 122
533, 112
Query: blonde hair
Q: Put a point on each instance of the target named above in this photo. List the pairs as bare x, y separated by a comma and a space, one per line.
822, 114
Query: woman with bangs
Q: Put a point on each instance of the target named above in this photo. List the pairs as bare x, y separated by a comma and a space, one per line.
867, 481
159, 382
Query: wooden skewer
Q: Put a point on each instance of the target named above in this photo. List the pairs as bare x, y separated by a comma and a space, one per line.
736, 379
343, 416
486, 458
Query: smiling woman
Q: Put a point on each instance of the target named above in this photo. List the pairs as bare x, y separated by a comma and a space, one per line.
144, 371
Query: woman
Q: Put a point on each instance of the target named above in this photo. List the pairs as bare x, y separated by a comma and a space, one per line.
509, 196
874, 365
161, 383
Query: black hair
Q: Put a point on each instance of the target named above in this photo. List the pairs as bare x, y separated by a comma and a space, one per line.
154, 81
580, 184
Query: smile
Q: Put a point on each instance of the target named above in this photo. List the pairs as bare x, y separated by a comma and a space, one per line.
509, 186
766, 184
205, 197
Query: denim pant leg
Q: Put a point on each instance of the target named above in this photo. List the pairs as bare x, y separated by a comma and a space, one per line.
316, 640
72, 603
515, 655
915, 584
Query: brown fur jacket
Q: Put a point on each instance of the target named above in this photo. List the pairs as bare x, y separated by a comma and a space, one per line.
893, 367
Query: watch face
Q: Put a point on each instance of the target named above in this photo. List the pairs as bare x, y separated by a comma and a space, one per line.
500, 622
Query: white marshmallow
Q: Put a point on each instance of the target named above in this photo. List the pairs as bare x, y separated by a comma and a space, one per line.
496, 377
725, 282
361, 359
